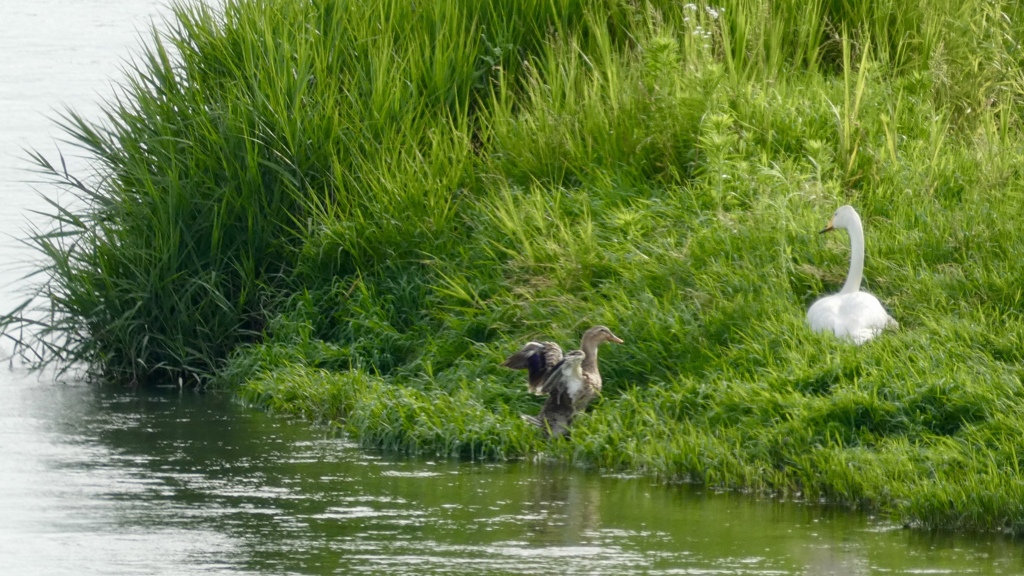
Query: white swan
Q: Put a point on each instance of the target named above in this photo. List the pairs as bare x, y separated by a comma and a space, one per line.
851, 313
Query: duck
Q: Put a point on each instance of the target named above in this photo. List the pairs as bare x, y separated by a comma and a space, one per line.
570, 381
851, 314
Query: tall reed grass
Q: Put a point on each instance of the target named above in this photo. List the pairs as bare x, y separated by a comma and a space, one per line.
355, 210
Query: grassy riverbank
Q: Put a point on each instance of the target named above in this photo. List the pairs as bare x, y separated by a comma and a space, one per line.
356, 212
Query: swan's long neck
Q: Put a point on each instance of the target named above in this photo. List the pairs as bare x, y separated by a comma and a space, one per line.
856, 273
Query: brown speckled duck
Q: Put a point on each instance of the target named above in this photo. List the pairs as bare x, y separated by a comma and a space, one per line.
570, 381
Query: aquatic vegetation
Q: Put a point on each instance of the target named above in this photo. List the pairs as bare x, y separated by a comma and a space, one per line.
356, 211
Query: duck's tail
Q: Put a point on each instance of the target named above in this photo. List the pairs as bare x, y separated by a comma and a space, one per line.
550, 427
533, 420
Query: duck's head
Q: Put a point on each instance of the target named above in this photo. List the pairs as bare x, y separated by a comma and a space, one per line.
844, 218
574, 357
599, 334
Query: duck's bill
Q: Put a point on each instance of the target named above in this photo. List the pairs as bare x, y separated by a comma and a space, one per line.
616, 339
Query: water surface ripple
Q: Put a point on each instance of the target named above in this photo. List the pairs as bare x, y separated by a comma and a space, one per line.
113, 481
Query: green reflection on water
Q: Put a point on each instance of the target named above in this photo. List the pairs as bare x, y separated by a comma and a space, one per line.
295, 498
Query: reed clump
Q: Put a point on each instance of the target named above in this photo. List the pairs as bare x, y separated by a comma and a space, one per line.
355, 211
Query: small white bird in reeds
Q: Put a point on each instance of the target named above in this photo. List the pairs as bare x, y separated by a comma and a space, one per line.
851, 313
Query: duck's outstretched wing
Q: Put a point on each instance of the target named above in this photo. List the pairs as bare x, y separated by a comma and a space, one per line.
538, 359
566, 377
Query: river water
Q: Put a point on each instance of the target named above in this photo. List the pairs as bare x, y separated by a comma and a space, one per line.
111, 481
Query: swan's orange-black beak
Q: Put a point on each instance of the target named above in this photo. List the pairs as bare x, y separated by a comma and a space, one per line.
828, 228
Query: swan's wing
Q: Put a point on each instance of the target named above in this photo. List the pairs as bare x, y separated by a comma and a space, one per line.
823, 315
538, 359
864, 316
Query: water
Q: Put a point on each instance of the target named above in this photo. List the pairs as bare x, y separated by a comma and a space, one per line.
109, 481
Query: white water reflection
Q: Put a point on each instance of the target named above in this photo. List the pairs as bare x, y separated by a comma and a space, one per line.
70, 502
53, 54
61, 504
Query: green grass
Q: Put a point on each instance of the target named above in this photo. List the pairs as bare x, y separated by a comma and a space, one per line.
355, 211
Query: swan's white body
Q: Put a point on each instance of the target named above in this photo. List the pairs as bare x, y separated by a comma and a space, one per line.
851, 313
858, 316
